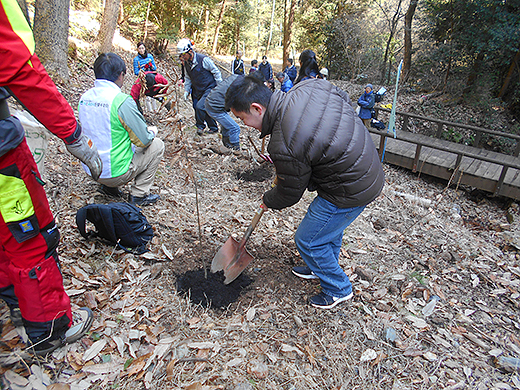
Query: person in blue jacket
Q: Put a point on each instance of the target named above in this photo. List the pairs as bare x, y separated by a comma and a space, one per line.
286, 82
290, 70
366, 102
144, 60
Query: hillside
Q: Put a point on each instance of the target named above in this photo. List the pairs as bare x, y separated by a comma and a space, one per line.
436, 274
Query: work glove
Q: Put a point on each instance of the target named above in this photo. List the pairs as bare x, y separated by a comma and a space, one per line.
84, 149
186, 94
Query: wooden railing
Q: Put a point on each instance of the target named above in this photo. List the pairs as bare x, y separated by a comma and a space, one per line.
479, 131
461, 150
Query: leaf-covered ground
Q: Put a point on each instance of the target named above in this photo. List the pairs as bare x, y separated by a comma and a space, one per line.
436, 274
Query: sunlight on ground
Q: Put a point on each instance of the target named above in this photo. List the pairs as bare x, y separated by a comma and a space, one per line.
87, 20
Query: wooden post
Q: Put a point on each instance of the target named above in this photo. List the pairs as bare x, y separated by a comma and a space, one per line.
439, 130
381, 145
476, 142
501, 180
416, 159
517, 149
406, 119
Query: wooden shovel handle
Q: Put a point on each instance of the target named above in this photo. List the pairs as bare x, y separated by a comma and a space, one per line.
252, 226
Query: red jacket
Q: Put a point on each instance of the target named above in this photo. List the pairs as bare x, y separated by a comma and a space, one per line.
136, 88
22, 72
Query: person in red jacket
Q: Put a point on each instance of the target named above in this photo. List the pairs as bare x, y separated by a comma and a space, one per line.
153, 83
30, 278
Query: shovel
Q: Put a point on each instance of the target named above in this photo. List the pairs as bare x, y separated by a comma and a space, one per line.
233, 256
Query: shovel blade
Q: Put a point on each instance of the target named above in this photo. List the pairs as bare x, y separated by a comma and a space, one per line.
231, 259
232, 271
225, 255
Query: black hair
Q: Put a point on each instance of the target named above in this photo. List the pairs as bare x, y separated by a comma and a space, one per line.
245, 91
259, 76
254, 62
308, 65
145, 54
280, 75
264, 57
290, 60
108, 66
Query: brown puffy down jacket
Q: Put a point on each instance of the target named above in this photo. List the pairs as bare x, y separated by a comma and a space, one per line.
319, 143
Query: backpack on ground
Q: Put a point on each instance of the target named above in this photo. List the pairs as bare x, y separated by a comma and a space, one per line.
380, 125
119, 223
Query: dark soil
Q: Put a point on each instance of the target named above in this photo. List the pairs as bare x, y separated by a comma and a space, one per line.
262, 173
211, 292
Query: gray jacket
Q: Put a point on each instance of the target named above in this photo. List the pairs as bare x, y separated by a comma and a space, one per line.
215, 101
318, 143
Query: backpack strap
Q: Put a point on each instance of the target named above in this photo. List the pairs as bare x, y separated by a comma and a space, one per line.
81, 217
95, 213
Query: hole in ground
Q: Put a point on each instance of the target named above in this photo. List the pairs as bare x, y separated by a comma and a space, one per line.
261, 173
211, 292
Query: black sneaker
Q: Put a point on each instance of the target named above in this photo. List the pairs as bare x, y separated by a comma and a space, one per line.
200, 131
324, 301
81, 322
144, 200
212, 131
114, 192
304, 273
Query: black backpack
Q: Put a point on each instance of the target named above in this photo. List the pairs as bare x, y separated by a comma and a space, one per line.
378, 97
119, 223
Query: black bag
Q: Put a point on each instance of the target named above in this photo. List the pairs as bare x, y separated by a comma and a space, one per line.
119, 223
378, 97
377, 124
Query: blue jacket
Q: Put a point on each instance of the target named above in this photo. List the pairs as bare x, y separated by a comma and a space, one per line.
291, 72
366, 101
145, 64
286, 84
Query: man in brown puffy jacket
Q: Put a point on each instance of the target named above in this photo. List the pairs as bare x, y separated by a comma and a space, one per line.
317, 143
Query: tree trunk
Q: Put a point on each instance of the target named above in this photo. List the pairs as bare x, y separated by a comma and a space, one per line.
472, 77
407, 60
206, 27
51, 33
287, 32
108, 26
217, 28
271, 28
393, 27
237, 27
146, 21
507, 80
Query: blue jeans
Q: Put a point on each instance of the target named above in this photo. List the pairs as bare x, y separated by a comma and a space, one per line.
318, 240
228, 126
201, 115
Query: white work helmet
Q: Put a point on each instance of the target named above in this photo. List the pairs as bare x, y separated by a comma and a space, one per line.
324, 72
184, 46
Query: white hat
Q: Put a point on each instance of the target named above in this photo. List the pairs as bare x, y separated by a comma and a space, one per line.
184, 46
324, 72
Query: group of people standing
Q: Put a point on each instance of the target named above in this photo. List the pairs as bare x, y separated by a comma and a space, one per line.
323, 149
